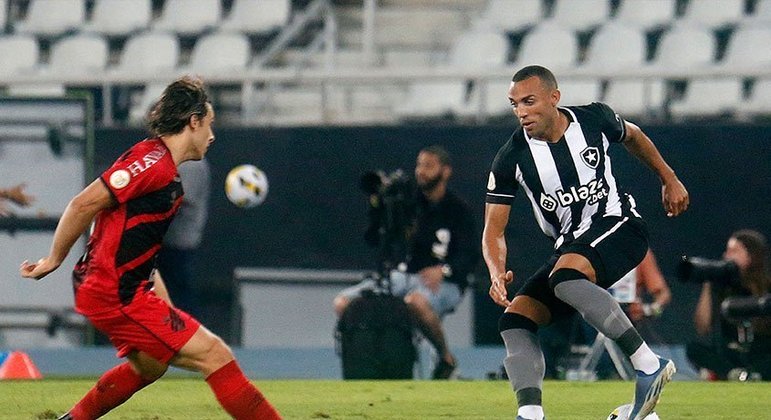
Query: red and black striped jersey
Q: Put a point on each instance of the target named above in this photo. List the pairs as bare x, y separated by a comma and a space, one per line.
121, 251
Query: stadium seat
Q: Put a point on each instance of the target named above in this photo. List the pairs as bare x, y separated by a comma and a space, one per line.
472, 50
119, 17
20, 54
141, 103
52, 17
647, 14
759, 102
636, 97
75, 55
762, 14
749, 47
709, 97
581, 15
550, 45
149, 53
220, 52
686, 45
579, 91
257, 16
510, 15
714, 13
616, 47
3, 13
189, 17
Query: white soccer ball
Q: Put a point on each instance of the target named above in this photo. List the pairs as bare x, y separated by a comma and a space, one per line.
622, 413
246, 186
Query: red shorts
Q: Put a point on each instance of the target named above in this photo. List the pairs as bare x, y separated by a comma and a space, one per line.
147, 324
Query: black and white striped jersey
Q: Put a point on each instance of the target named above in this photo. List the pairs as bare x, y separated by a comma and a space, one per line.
569, 183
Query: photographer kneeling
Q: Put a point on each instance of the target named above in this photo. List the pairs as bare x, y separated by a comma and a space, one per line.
742, 273
439, 245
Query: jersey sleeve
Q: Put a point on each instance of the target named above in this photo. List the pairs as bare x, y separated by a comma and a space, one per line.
136, 173
502, 183
613, 126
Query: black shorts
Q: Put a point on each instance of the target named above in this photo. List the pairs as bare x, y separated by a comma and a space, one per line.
613, 245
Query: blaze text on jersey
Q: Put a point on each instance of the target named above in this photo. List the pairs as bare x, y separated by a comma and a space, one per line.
591, 192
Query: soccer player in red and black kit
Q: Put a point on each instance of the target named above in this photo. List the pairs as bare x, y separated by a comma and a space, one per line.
116, 286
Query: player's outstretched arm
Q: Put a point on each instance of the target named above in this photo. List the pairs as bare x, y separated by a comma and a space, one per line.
494, 250
674, 196
74, 221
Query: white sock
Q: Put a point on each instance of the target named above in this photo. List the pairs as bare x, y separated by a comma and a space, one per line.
645, 360
534, 412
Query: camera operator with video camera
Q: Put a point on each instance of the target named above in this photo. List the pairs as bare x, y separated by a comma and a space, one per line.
742, 274
428, 245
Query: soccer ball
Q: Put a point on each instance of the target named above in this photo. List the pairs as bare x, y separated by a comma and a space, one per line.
622, 413
246, 186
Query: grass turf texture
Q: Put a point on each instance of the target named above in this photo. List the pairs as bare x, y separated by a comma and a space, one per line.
191, 398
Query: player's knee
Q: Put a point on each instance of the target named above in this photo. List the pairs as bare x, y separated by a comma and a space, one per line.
511, 320
563, 275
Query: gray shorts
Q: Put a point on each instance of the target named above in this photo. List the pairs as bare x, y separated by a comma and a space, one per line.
443, 302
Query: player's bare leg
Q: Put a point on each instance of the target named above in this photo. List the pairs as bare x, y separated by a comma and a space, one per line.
208, 354
524, 360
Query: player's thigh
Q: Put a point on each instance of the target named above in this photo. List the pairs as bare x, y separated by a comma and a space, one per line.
536, 300
613, 246
204, 352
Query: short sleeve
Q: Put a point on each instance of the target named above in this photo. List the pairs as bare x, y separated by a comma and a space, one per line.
501, 182
137, 172
613, 126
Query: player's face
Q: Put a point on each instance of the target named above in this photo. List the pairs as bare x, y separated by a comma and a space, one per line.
203, 135
429, 171
534, 104
736, 251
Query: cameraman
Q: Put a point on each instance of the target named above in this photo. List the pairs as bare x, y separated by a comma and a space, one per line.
441, 250
747, 251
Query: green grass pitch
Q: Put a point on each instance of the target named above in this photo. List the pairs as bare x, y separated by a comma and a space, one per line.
191, 399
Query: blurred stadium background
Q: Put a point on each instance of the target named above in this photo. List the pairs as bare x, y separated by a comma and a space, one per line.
316, 92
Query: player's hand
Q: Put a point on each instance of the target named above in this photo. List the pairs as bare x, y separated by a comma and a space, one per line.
38, 270
498, 292
18, 196
675, 197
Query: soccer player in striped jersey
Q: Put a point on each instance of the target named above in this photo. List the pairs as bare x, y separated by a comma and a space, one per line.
559, 160
116, 287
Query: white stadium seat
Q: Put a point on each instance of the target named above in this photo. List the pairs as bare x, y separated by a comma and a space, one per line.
119, 17
52, 17
220, 52
548, 44
635, 97
20, 54
257, 16
647, 14
616, 47
581, 15
511, 15
714, 13
479, 49
189, 17
749, 47
759, 102
148, 53
579, 91
709, 97
686, 45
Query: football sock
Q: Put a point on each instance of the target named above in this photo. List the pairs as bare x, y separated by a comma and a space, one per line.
238, 396
531, 412
524, 365
597, 307
114, 387
645, 360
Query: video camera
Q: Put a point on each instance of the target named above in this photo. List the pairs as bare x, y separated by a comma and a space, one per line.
392, 214
701, 270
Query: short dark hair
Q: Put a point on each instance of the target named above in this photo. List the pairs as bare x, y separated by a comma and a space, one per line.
546, 76
182, 99
440, 152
